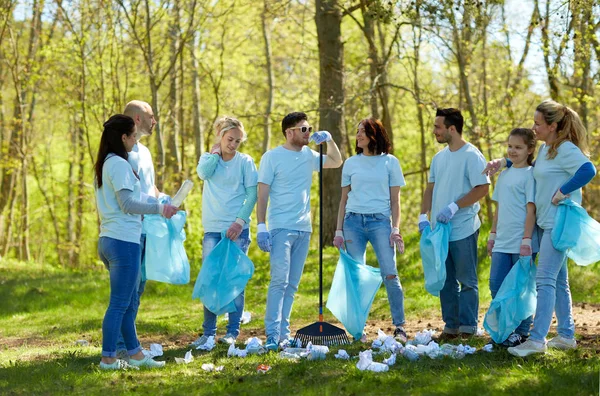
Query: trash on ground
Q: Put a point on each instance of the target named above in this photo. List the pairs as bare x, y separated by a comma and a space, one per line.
188, 358
82, 343
263, 368
391, 360
316, 352
386, 343
488, 348
211, 367
342, 354
236, 352
366, 362
208, 345
424, 337
254, 346
246, 317
154, 351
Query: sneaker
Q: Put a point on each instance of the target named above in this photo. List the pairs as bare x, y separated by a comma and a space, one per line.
118, 364
123, 355
271, 344
199, 341
527, 348
560, 342
146, 362
444, 337
400, 335
228, 339
513, 340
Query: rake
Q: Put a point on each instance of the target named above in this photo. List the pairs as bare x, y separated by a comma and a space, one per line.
321, 333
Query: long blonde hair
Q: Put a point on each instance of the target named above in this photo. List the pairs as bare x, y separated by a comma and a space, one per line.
568, 126
226, 123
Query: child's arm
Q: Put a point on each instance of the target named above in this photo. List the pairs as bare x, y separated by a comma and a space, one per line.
492, 237
529, 224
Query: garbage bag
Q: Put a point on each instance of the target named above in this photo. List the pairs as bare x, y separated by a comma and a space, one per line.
576, 233
434, 251
223, 277
352, 293
514, 302
165, 258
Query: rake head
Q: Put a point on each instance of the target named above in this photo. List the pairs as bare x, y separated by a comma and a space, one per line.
322, 333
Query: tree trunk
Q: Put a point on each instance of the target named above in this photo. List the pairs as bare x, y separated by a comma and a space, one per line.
331, 102
417, 38
270, 79
196, 101
174, 159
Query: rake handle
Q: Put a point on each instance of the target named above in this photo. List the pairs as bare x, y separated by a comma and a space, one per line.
321, 232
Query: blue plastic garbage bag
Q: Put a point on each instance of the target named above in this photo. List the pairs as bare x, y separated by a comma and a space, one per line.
576, 233
223, 276
165, 259
434, 251
514, 302
352, 293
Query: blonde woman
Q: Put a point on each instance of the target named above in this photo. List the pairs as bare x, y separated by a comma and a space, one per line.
229, 194
562, 167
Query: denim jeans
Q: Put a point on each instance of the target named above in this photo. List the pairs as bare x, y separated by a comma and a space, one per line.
122, 259
553, 292
211, 239
459, 297
376, 228
288, 254
502, 263
137, 296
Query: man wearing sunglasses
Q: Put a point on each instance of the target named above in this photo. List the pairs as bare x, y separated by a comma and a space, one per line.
285, 177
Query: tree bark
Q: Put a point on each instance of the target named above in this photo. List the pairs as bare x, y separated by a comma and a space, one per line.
270, 79
328, 19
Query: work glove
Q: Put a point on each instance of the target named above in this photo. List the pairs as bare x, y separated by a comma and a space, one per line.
447, 213
263, 238
320, 137
423, 222
494, 166
235, 229
338, 240
525, 249
396, 239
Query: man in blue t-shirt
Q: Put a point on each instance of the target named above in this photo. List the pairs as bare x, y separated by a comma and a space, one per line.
455, 187
285, 177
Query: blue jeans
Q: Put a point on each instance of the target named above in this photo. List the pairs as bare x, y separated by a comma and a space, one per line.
122, 259
459, 297
288, 254
376, 228
211, 239
137, 296
553, 292
502, 263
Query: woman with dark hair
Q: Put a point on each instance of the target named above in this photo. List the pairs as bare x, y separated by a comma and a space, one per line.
370, 210
120, 205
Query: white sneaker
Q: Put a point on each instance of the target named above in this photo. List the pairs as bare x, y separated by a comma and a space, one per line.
117, 365
227, 339
527, 348
560, 342
146, 362
200, 341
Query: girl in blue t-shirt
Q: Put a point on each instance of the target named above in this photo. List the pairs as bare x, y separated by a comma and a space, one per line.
228, 197
369, 210
120, 205
513, 226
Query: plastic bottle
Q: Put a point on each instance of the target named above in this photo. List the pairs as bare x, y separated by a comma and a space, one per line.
185, 189
410, 354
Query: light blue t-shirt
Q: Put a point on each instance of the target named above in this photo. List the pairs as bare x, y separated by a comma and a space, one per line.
117, 175
370, 179
455, 174
514, 190
550, 175
224, 192
141, 162
289, 175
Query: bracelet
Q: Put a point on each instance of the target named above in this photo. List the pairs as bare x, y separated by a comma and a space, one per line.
492, 236
395, 230
339, 233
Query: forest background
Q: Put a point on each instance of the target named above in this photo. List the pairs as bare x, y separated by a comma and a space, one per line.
66, 66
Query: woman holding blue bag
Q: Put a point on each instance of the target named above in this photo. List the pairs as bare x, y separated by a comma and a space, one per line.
369, 210
513, 231
229, 195
561, 169
120, 206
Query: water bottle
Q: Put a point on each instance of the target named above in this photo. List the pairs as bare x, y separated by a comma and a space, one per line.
410, 354
185, 189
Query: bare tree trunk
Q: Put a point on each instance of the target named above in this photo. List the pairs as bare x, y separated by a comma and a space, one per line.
270, 77
174, 159
369, 32
25, 251
196, 101
331, 101
417, 39
71, 234
80, 197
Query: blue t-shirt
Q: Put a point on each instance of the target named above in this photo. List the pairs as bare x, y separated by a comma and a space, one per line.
224, 192
550, 175
289, 175
455, 173
514, 190
370, 179
117, 175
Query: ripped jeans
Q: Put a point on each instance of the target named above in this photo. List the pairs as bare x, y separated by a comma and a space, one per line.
376, 228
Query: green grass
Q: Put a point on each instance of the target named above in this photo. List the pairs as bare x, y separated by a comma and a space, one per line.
44, 310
